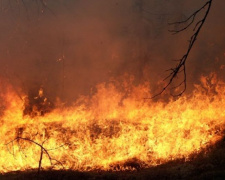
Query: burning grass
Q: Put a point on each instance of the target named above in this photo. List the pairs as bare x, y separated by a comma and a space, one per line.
113, 130
202, 166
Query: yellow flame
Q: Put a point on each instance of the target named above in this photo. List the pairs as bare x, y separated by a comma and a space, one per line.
111, 128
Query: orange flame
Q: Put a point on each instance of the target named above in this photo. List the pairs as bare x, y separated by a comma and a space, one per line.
111, 128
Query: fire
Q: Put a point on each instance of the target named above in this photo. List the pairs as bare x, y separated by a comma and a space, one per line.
113, 129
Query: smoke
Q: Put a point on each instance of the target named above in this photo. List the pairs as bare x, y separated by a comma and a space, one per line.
67, 47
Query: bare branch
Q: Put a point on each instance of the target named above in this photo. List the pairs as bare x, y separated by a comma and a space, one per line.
43, 150
181, 65
40, 161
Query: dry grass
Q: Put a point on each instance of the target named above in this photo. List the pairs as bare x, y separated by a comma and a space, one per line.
203, 166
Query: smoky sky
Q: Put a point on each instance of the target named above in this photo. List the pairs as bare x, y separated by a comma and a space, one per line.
69, 46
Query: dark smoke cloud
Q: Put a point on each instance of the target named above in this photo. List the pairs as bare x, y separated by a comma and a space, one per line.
73, 45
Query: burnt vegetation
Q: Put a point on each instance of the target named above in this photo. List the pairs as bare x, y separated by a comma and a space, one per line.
37, 104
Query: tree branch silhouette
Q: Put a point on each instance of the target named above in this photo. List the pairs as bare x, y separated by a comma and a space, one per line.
181, 65
43, 150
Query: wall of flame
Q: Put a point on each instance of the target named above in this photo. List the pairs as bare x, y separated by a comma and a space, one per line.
111, 128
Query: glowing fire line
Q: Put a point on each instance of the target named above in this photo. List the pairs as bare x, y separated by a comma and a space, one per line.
110, 129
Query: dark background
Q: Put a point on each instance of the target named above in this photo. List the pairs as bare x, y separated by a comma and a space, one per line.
69, 46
